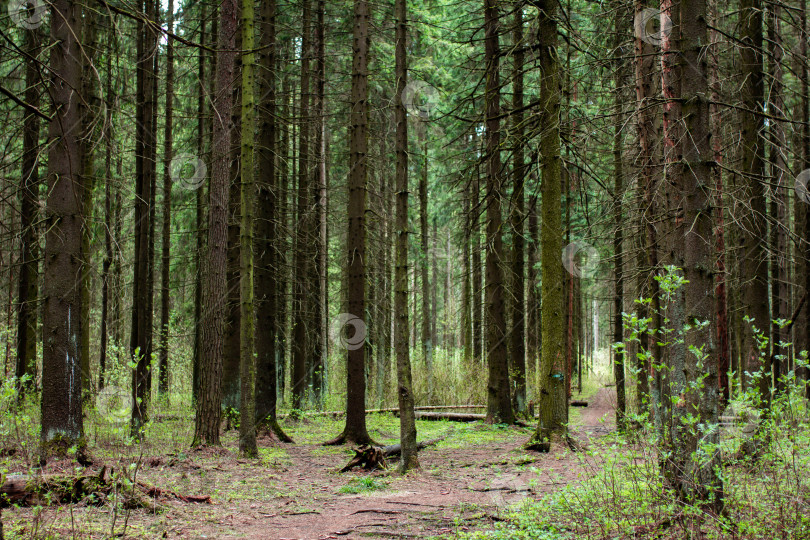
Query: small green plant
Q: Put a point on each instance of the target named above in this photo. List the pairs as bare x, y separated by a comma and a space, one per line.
364, 484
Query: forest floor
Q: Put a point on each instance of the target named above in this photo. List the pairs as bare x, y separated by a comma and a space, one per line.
295, 491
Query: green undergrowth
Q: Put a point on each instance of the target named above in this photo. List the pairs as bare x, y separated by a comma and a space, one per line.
620, 493
363, 484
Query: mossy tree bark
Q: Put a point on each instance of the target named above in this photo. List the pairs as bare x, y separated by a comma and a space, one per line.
247, 360
552, 403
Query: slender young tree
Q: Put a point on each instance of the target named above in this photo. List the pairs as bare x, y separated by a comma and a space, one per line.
145, 143
163, 353
407, 421
618, 196
209, 401
29, 201
302, 297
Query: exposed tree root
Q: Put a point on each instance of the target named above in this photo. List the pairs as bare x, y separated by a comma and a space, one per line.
371, 457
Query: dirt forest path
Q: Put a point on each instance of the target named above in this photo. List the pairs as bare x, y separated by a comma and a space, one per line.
294, 491
472, 483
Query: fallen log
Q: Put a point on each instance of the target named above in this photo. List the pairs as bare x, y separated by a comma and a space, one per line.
93, 489
577, 403
394, 410
451, 416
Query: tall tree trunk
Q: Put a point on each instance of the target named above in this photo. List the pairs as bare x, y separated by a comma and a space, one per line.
61, 403
29, 202
247, 361
163, 354
233, 319
321, 292
90, 121
499, 404
466, 292
517, 348
200, 218
108, 217
209, 403
753, 226
618, 196
723, 345
268, 297
302, 297
700, 473
145, 142
355, 430
778, 207
407, 422
477, 278
552, 403
424, 256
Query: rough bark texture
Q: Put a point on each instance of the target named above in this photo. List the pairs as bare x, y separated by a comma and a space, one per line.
355, 430
29, 202
552, 403
247, 361
145, 141
699, 473
517, 347
407, 422
754, 265
499, 405
61, 404
209, 401
267, 237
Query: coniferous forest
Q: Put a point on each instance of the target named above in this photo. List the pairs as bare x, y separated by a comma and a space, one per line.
478, 269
